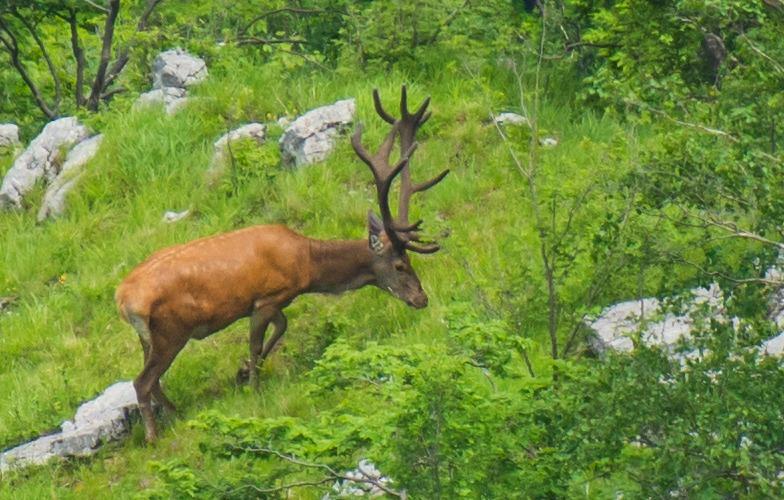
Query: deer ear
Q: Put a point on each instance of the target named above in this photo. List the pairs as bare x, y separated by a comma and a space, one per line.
375, 230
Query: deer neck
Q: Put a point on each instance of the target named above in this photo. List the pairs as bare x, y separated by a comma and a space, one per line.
339, 266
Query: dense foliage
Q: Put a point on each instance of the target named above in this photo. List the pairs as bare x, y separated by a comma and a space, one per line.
665, 174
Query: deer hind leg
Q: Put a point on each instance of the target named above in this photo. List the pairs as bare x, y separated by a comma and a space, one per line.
259, 321
280, 323
159, 355
141, 326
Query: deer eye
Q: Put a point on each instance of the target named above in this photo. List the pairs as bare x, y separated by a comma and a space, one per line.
399, 266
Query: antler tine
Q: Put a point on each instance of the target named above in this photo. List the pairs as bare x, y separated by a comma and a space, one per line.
424, 186
356, 142
430, 248
380, 109
410, 228
418, 116
386, 147
403, 102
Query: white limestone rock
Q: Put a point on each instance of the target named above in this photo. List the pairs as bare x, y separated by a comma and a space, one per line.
548, 142
616, 325
9, 136
73, 168
774, 346
776, 299
177, 68
41, 159
172, 98
360, 482
255, 131
311, 137
220, 158
171, 216
511, 119
105, 418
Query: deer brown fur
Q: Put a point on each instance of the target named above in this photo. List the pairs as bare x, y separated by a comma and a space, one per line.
192, 290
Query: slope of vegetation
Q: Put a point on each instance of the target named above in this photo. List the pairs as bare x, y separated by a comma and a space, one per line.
664, 177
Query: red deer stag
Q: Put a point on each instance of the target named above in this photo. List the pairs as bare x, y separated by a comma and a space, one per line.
195, 289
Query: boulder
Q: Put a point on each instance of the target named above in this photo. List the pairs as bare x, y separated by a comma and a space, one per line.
177, 68
774, 346
42, 158
363, 481
73, 168
618, 324
173, 98
311, 137
9, 136
105, 418
254, 131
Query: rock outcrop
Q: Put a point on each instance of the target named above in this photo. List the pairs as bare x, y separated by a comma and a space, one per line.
311, 137
618, 324
177, 68
220, 158
41, 159
173, 72
645, 319
73, 168
9, 136
105, 418
255, 131
171, 98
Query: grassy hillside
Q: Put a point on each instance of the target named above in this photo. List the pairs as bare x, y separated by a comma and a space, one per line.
62, 341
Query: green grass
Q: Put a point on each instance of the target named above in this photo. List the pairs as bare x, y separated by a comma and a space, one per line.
62, 342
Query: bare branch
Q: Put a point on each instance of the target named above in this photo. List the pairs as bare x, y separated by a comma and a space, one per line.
332, 473
106, 52
776, 65
95, 5
292, 10
447, 21
45, 53
78, 53
122, 59
254, 40
12, 47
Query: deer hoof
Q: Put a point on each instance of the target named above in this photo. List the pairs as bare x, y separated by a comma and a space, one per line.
243, 373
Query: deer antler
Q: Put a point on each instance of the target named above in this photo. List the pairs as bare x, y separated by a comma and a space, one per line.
384, 174
407, 126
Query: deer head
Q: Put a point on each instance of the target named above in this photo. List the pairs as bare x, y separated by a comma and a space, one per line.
391, 237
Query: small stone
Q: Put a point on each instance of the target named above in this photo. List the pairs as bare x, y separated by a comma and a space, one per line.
170, 216
548, 142
511, 119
